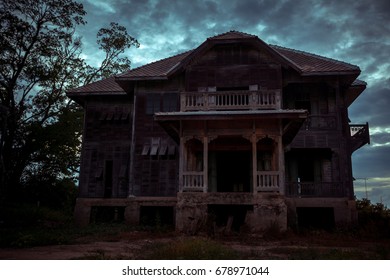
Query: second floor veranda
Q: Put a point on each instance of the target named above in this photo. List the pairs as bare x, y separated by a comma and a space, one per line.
230, 100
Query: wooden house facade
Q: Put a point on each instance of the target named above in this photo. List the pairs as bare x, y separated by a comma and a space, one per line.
235, 133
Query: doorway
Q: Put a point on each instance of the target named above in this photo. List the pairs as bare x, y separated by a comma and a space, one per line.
233, 171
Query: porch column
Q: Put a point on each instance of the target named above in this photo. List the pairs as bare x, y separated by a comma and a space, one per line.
181, 163
205, 163
282, 187
254, 163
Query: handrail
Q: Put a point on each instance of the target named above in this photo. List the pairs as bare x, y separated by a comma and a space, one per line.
230, 100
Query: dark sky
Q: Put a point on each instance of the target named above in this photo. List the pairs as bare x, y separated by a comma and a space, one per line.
354, 31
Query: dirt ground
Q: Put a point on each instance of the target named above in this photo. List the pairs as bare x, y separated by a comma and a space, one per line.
133, 246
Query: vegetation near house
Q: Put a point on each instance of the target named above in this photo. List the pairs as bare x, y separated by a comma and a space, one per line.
40, 127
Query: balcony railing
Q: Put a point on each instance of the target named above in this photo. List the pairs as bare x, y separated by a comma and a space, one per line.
267, 181
230, 100
315, 189
360, 135
193, 181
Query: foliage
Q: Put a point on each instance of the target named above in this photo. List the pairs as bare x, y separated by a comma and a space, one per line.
373, 219
40, 60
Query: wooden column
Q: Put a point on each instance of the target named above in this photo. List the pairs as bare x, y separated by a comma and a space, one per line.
254, 162
281, 164
181, 158
205, 163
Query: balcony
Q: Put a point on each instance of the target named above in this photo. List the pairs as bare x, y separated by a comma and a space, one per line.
230, 100
315, 189
360, 135
193, 181
267, 181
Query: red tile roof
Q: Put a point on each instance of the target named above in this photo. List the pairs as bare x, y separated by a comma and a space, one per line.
311, 63
306, 63
106, 85
157, 69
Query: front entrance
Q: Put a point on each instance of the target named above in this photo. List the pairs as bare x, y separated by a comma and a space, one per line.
233, 171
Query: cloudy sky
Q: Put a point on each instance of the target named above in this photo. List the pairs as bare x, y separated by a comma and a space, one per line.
354, 31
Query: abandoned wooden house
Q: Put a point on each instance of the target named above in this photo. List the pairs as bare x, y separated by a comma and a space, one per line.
235, 133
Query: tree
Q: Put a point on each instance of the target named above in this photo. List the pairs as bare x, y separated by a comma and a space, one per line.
40, 59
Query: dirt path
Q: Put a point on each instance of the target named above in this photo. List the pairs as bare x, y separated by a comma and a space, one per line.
114, 250
134, 248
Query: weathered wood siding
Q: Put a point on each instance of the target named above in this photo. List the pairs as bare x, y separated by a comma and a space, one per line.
106, 145
156, 159
233, 65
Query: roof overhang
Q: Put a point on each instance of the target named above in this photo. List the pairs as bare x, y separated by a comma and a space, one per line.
291, 119
354, 91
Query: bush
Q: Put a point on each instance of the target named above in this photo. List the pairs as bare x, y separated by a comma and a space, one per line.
373, 219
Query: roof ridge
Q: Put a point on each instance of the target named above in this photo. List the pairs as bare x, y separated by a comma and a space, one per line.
276, 47
232, 32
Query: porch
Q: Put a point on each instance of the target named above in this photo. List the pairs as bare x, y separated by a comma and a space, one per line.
232, 151
231, 164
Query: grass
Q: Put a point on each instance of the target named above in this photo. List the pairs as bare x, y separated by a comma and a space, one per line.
195, 248
29, 225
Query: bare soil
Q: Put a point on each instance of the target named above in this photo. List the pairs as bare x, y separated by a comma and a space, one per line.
132, 245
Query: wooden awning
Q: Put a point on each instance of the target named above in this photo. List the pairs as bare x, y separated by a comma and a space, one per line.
291, 119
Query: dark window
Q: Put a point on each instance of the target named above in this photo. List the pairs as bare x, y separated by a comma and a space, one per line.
303, 104
108, 168
169, 102
153, 104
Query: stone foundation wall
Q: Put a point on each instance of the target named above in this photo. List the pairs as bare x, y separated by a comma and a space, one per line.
82, 212
344, 209
192, 210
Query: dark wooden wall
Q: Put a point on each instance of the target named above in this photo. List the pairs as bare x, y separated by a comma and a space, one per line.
234, 65
106, 147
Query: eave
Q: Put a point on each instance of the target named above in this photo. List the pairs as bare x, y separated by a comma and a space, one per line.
291, 119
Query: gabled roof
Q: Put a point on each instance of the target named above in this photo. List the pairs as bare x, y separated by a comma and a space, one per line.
305, 63
310, 63
156, 70
106, 85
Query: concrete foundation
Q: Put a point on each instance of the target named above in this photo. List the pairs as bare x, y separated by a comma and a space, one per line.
266, 210
194, 212
344, 210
